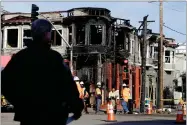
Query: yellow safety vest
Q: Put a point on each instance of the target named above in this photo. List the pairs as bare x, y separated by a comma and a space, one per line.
98, 91
3, 101
126, 94
83, 92
80, 90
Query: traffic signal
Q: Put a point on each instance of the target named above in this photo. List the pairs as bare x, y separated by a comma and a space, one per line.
126, 67
34, 12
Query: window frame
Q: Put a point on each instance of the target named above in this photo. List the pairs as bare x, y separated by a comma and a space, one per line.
169, 57
6, 37
62, 41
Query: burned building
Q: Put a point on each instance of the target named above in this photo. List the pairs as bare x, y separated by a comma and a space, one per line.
100, 42
15, 28
90, 34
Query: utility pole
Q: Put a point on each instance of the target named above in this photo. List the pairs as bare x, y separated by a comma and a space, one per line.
160, 58
144, 53
144, 57
71, 59
114, 49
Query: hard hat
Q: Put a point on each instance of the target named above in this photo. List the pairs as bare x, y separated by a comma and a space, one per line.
82, 83
99, 83
76, 78
124, 84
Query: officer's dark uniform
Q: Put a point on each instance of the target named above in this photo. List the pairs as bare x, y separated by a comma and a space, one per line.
36, 82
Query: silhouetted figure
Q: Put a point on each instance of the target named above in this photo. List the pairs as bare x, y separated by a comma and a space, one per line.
38, 84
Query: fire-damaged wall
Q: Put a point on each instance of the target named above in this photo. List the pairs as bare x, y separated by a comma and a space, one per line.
88, 34
99, 45
16, 30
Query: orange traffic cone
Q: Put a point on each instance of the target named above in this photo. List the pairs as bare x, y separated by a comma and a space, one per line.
184, 109
179, 118
110, 112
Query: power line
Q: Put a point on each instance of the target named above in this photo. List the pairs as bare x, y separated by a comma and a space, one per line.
167, 7
174, 30
173, 7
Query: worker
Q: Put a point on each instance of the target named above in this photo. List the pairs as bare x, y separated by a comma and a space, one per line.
77, 81
112, 97
98, 97
3, 101
125, 97
36, 75
84, 97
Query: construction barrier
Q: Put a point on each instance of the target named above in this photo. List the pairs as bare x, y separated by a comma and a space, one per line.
110, 113
184, 109
179, 118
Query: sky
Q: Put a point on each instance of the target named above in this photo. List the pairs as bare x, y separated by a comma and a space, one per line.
174, 15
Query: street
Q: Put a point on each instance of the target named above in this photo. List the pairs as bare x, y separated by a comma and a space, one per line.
6, 119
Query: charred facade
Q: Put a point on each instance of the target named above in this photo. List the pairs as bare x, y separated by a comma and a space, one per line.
100, 42
90, 31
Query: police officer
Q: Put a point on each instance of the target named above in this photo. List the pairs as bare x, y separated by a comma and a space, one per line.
36, 75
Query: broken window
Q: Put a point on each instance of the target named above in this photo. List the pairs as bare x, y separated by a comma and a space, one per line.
102, 12
120, 40
97, 12
92, 12
80, 35
26, 36
96, 34
12, 38
56, 38
167, 56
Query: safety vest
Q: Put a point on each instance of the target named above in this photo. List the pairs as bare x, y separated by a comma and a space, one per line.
80, 90
126, 94
98, 91
3, 101
84, 92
